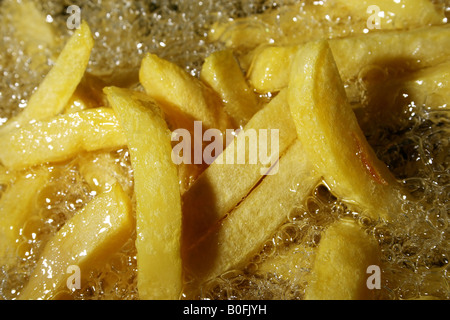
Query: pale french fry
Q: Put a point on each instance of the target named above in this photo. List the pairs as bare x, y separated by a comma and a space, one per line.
333, 140
61, 138
86, 241
157, 193
241, 234
17, 205
183, 98
60, 83
342, 261
304, 22
409, 50
223, 185
222, 72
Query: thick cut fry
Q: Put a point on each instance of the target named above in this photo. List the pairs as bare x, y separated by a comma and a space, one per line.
405, 50
223, 185
61, 138
333, 140
60, 83
242, 233
342, 262
298, 23
222, 72
158, 201
86, 241
17, 205
183, 98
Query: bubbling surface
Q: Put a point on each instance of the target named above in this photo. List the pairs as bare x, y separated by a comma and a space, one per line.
415, 247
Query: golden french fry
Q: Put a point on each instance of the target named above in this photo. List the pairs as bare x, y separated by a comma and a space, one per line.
223, 185
17, 205
61, 138
60, 83
333, 140
157, 193
410, 50
183, 98
86, 241
341, 266
297, 23
236, 238
222, 72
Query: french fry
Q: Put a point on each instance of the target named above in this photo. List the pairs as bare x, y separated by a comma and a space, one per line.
298, 23
60, 83
61, 138
237, 237
157, 193
333, 140
221, 71
17, 205
223, 185
183, 98
86, 241
342, 261
405, 50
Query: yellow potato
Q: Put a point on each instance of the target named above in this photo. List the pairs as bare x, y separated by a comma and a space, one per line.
409, 50
223, 185
61, 138
60, 83
183, 98
341, 266
17, 205
333, 140
86, 241
303, 21
221, 71
241, 234
157, 193
88, 95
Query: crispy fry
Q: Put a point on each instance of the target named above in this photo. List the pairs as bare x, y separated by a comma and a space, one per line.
87, 240
158, 201
223, 185
60, 83
222, 72
407, 50
61, 138
333, 140
241, 234
344, 255
183, 98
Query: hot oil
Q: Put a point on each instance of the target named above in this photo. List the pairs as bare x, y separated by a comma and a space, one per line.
414, 248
